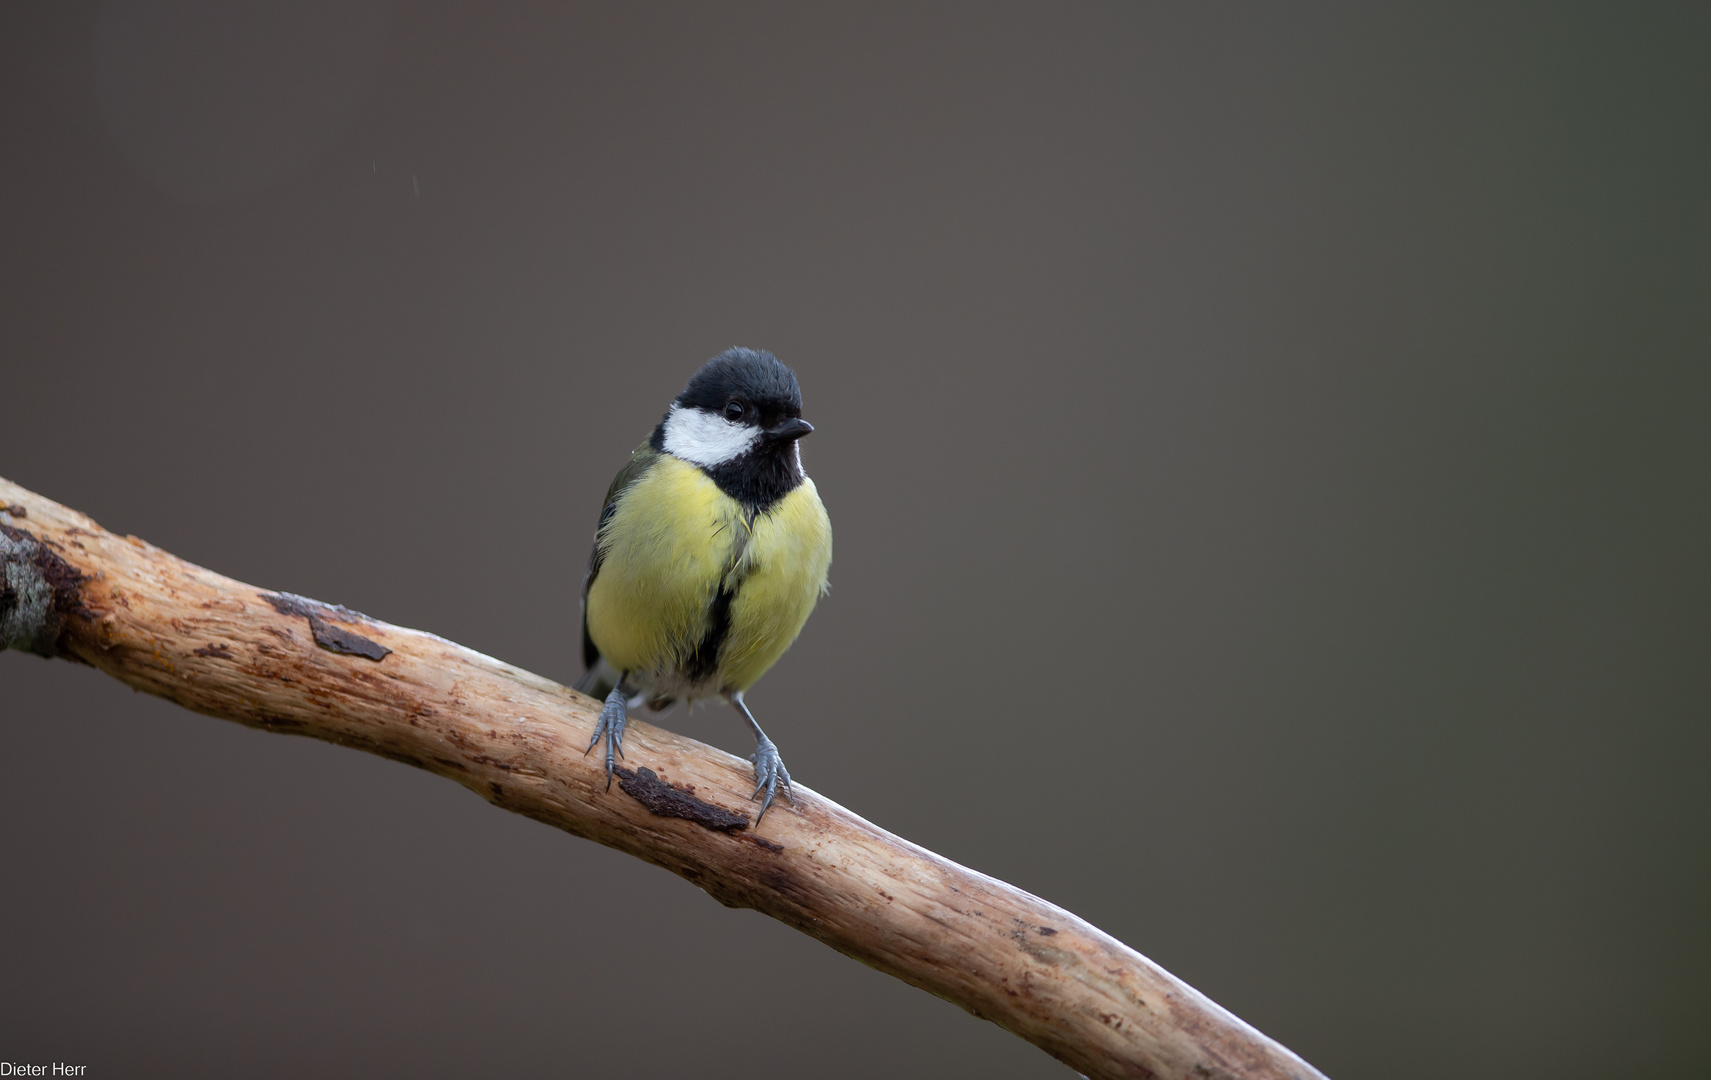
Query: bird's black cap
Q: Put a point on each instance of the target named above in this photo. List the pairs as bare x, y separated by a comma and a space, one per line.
753, 376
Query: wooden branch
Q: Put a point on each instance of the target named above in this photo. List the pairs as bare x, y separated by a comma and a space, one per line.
288, 664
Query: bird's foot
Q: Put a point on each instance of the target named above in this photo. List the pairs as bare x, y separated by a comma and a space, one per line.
769, 774
613, 716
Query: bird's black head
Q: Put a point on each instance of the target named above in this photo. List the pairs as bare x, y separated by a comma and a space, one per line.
745, 386
739, 419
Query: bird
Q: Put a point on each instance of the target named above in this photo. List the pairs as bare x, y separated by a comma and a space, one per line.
712, 550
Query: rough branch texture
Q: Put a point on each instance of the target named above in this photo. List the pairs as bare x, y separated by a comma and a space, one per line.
290, 664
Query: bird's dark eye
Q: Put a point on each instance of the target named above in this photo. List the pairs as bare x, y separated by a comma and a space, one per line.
734, 411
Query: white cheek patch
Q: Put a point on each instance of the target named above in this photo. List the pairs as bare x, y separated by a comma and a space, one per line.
701, 438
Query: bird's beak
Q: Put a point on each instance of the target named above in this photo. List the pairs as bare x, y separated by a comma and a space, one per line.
789, 430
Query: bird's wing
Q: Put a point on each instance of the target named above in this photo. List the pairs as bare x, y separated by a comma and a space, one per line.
642, 458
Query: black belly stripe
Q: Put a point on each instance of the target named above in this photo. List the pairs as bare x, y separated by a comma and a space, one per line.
705, 660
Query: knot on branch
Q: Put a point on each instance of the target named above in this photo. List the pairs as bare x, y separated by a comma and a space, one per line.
37, 590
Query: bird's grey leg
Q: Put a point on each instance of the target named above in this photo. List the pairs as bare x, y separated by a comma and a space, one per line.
769, 767
613, 716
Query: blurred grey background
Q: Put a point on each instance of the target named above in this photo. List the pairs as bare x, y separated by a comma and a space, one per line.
1267, 448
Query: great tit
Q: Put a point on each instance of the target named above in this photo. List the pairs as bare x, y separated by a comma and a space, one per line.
711, 552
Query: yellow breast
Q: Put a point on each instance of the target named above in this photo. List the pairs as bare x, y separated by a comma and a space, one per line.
673, 541
785, 565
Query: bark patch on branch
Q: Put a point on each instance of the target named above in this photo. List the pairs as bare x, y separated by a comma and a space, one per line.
334, 639
327, 636
38, 589
669, 800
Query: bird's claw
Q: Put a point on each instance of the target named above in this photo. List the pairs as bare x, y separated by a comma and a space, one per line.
769, 773
613, 716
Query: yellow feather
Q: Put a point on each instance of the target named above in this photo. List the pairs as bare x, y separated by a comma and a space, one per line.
786, 560
672, 540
